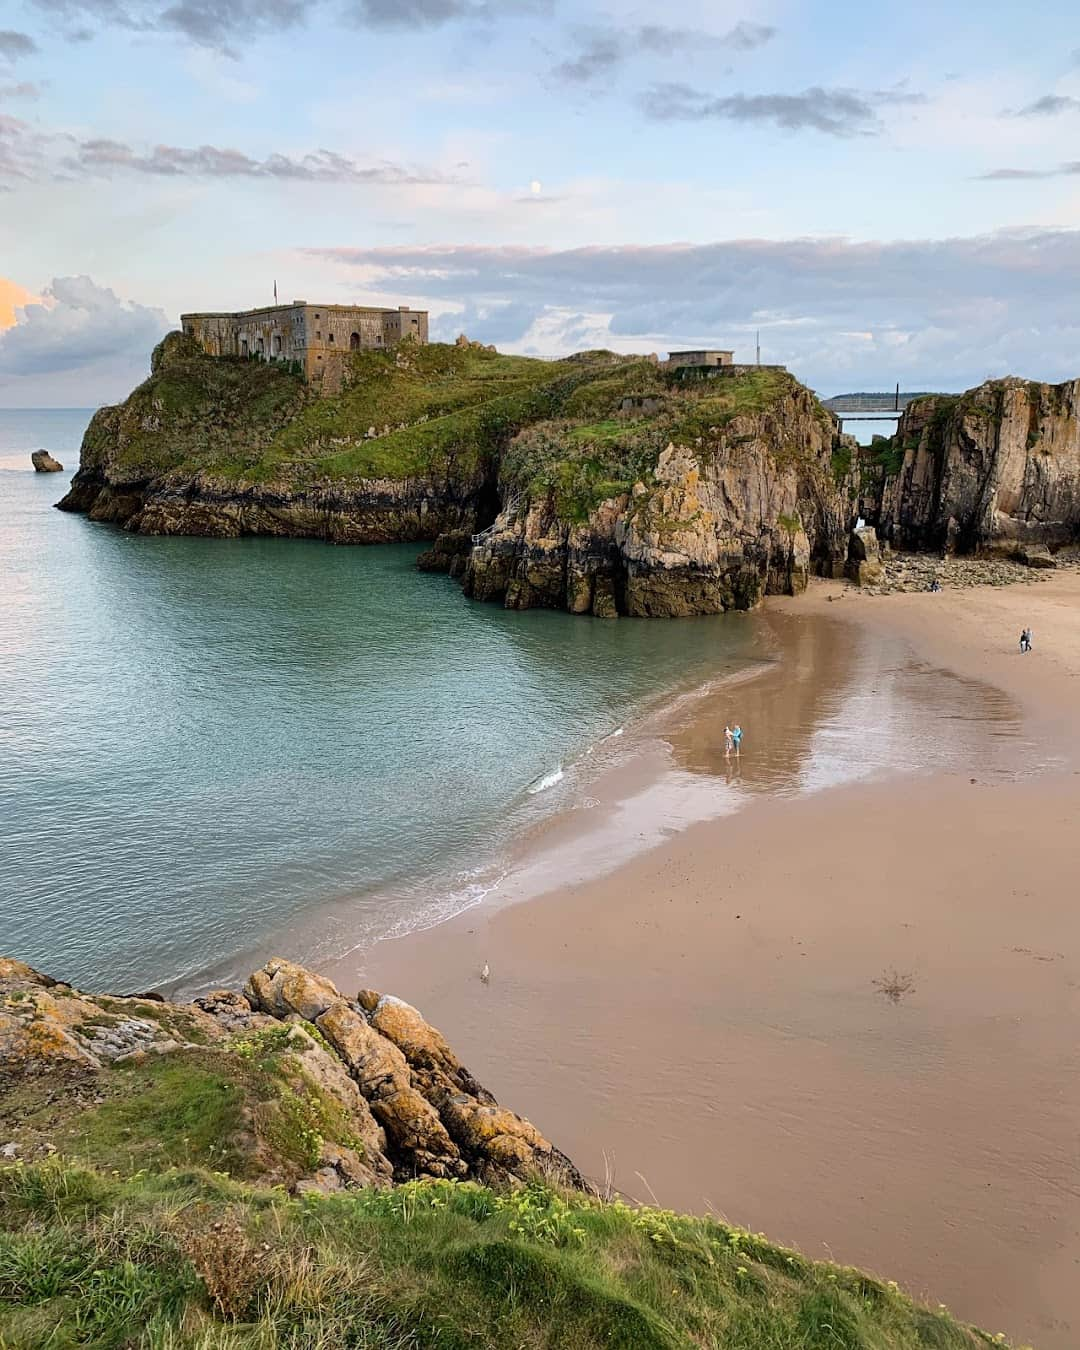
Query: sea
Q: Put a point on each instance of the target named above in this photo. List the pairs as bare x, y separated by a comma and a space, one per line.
205, 743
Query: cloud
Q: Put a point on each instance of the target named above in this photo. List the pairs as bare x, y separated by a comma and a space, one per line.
414, 13
1048, 106
77, 325
943, 313
834, 112
107, 157
24, 89
12, 295
14, 45
27, 154
600, 53
228, 26
747, 37
1066, 170
22, 150
601, 50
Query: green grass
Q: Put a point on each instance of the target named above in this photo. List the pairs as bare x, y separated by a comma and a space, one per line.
186, 1260
728, 397
249, 1111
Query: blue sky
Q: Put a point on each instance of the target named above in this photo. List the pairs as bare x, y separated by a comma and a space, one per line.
887, 193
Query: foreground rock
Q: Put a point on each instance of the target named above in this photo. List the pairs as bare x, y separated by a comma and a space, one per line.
43, 462
402, 1102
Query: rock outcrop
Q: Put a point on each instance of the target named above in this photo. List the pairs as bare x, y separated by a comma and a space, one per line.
996, 469
43, 462
734, 508
864, 557
409, 1106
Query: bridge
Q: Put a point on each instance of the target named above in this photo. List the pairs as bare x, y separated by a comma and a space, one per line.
870, 407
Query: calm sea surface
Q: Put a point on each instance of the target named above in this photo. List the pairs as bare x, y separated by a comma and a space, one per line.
204, 743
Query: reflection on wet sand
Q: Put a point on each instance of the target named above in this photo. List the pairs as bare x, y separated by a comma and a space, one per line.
841, 706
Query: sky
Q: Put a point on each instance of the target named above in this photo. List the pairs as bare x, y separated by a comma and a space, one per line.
884, 193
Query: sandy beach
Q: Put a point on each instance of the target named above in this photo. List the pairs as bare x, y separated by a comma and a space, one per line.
833, 995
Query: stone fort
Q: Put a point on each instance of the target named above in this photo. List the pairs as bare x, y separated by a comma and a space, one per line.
317, 337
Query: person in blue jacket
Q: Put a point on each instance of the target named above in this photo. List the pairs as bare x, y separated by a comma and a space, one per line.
736, 736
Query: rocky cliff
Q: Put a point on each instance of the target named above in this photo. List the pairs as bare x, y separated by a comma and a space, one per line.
730, 490
615, 486
325, 1092
995, 469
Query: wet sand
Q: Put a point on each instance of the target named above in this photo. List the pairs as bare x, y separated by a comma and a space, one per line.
708, 1020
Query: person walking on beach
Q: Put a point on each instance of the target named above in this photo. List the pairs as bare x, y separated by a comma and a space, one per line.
1025, 640
736, 736
729, 742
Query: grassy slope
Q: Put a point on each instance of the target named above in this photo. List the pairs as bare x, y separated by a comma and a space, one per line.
440, 411
256, 421
184, 1258
154, 1226
248, 1110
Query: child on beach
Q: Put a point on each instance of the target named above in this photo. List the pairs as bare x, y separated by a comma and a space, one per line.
729, 741
736, 736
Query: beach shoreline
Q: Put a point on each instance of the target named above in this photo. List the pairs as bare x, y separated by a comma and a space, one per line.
711, 1018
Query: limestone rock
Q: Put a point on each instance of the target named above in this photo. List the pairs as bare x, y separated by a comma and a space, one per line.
282, 987
412, 1124
1035, 555
750, 508
43, 462
43, 1023
409, 1106
995, 468
864, 557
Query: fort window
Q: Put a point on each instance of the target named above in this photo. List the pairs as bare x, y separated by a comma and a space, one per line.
277, 346
354, 342
260, 346
243, 346
330, 338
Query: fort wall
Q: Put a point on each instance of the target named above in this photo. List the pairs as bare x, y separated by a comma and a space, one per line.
316, 337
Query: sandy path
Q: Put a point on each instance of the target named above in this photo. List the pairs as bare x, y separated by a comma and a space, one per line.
707, 1016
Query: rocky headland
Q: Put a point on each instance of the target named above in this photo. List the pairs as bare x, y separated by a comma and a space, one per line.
291, 1166
599, 484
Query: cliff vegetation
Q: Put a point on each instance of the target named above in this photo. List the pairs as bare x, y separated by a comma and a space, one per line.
290, 1167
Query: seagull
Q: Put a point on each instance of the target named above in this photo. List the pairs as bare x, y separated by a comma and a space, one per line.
485, 974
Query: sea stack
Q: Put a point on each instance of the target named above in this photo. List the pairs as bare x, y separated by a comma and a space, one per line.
43, 462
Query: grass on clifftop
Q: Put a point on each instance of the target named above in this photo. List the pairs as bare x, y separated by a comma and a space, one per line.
248, 1111
189, 1260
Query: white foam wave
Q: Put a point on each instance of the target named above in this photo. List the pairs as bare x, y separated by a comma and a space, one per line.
547, 780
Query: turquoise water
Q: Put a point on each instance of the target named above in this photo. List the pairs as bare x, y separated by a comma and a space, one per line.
206, 743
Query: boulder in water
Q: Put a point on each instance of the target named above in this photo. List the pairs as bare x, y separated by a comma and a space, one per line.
43, 462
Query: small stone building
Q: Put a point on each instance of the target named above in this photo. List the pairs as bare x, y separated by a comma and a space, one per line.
700, 358
317, 337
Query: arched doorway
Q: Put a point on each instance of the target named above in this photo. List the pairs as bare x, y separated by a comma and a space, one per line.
354, 342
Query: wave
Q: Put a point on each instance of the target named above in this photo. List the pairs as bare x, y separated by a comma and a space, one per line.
545, 781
